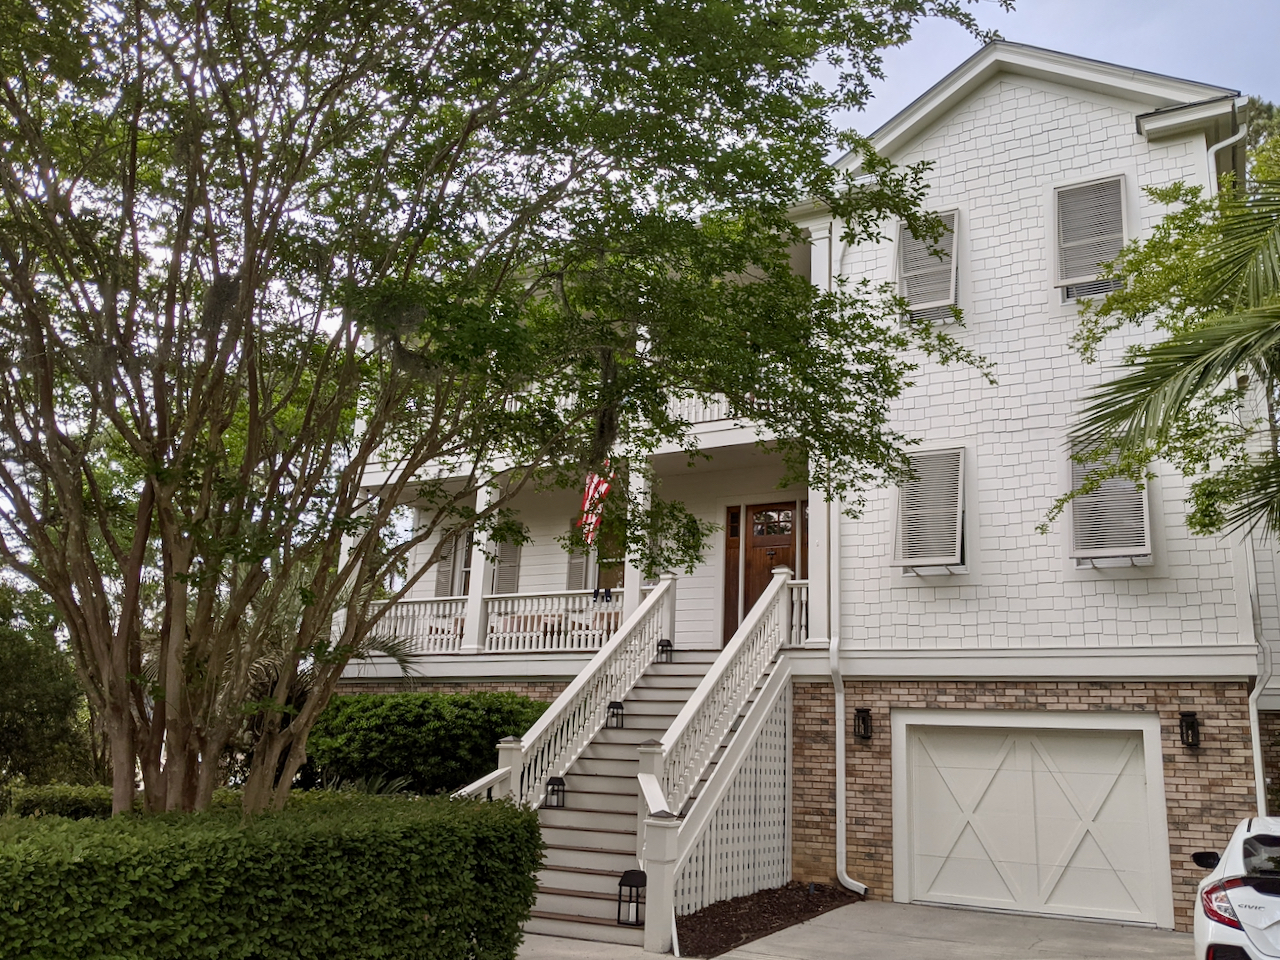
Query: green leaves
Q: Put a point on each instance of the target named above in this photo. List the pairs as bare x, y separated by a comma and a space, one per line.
347, 876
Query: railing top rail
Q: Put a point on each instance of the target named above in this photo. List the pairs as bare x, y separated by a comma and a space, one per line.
617, 595
484, 783
780, 582
585, 675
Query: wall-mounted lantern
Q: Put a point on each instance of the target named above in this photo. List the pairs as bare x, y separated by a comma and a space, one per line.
666, 651
1189, 728
555, 793
631, 898
862, 723
613, 720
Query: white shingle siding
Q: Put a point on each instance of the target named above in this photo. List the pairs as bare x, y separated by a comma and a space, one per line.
998, 157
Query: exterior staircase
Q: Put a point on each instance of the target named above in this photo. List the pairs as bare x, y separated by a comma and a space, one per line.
591, 840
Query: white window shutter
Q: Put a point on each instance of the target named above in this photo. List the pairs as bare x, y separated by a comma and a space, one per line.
506, 568
927, 272
444, 569
577, 571
1112, 521
931, 511
1090, 229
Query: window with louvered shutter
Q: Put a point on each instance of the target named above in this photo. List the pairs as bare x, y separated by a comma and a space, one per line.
927, 271
506, 568
1112, 521
931, 511
1090, 233
578, 565
444, 569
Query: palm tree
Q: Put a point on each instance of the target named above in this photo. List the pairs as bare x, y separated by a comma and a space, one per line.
1207, 396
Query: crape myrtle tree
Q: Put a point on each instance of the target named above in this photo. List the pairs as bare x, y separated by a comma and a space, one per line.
1204, 392
270, 271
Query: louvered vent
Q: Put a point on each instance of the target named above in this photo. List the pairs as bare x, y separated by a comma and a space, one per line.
931, 511
1112, 520
1090, 231
927, 272
444, 569
506, 568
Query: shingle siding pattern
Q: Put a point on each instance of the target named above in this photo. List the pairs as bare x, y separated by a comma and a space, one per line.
997, 158
1207, 791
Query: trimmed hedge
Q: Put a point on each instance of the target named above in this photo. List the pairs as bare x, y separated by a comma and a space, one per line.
61, 800
78, 802
437, 741
346, 877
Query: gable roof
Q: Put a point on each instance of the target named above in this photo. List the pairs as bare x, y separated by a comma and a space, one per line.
1156, 90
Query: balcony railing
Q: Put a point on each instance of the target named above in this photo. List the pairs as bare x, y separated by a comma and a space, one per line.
566, 621
427, 626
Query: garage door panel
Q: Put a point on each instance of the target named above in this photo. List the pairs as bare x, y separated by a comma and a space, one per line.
1039, 820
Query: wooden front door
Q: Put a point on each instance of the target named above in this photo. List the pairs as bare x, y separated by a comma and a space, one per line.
758, 538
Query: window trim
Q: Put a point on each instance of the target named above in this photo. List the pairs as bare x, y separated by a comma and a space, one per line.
1126, 227
956, 561
900, 275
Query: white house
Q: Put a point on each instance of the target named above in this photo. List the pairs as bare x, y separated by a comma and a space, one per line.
1013, 705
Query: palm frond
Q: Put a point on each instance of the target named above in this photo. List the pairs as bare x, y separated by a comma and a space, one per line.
1140, 408
1243, 264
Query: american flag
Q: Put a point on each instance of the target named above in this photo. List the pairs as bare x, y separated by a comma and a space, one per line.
593, 505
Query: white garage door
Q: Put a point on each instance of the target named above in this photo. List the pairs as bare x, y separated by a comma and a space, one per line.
1044, 821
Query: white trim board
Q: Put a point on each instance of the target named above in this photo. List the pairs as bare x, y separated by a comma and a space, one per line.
1145, 723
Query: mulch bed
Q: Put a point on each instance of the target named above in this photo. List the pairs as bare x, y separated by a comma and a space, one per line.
722, 926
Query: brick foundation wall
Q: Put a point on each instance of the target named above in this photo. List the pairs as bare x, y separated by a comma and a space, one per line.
546, 690
1207, 791
1269, 733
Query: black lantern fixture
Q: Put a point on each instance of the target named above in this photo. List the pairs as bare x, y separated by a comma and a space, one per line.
614, 719
555, 793
631, 898
1189, 728
862, 723
666, 650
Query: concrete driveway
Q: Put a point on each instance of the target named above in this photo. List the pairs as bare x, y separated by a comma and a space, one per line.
895, 931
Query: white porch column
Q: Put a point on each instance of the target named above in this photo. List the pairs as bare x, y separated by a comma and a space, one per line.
820, 510
662, 838
818, 573
474, 630
633, 576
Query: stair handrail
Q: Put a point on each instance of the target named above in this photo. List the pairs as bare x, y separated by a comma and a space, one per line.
700, 727
560, 735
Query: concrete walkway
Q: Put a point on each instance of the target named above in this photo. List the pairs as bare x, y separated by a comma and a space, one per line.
895, 931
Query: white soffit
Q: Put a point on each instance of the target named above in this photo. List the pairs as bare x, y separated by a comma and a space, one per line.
1000, 56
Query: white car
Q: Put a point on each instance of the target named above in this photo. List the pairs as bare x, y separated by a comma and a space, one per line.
1238, 904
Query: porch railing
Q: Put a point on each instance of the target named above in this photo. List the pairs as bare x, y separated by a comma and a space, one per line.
422, 626
577, 715
695, 842
563, 621
799, 611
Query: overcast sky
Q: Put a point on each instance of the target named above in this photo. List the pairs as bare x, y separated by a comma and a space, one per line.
1231, 43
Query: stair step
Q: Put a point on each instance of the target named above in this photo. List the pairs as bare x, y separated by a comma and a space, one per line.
557, 925
638, 728
585, 879
589, 819
624, 785
612, 839
587, 766
668, 681
598, 750
675, 695
613, 861
583, 905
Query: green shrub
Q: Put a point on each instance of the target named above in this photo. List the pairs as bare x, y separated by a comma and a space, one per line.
436, 741
337, 878
85, 802
61, 800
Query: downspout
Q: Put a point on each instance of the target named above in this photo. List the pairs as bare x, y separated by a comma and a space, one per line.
837, 680
1260, 684
1213, 156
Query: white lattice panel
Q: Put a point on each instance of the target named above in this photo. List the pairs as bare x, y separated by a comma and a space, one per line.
746, 846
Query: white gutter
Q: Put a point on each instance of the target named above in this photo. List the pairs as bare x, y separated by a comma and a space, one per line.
837, 680
1260, 684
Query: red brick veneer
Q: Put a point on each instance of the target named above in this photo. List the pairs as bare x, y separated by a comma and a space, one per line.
1207, 790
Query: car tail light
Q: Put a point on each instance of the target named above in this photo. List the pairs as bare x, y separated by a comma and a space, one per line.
1216, 905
